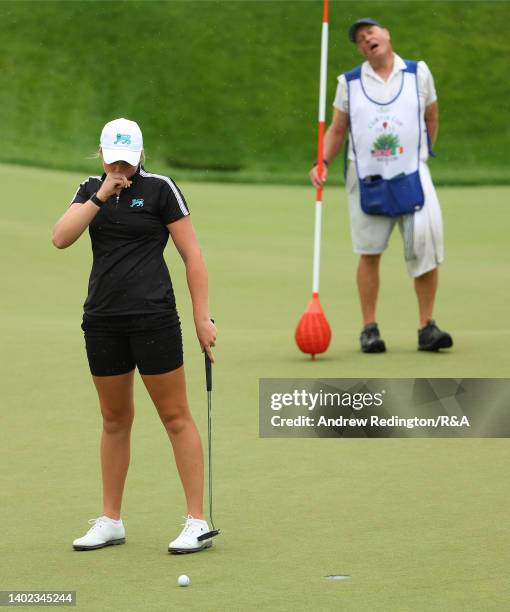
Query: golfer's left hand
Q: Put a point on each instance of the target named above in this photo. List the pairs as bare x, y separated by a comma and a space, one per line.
206, 332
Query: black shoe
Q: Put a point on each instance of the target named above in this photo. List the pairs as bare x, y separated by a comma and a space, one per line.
370, 339
431, 338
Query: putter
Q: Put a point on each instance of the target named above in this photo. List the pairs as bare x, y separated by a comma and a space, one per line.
208, 379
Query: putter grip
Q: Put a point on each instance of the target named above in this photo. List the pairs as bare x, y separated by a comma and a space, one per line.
208, 372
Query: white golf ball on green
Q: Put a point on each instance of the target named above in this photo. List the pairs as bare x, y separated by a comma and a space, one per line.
183, 580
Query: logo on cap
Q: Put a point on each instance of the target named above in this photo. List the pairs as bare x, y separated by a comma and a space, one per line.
123, 139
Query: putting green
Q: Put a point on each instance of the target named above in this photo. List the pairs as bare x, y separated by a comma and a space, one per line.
418, 524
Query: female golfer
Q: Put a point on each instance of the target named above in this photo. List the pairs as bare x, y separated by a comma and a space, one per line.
130, 320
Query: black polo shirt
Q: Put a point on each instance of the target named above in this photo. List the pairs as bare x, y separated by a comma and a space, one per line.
129, 275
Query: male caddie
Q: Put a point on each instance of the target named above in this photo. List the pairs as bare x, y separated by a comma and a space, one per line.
388, 108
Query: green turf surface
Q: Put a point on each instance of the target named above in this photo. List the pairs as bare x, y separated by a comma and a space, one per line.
418, 524
228, 89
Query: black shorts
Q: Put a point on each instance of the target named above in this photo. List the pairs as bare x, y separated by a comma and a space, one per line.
116, 345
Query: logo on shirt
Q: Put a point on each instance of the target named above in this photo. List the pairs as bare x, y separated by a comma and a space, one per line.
136, 203
123, 139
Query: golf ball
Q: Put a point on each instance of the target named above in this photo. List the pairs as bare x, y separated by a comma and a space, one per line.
183, 580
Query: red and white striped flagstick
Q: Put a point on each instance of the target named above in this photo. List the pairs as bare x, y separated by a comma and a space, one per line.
313, 333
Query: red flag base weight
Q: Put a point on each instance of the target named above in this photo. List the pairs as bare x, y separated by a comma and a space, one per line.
313, 333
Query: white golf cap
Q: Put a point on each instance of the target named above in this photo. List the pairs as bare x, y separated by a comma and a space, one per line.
121, 139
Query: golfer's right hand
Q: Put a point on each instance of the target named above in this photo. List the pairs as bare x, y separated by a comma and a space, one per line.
114, 183
317, 181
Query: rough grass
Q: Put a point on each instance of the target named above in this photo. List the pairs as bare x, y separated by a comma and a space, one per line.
227, 90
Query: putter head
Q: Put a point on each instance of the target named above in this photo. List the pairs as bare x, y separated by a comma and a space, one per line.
209, 534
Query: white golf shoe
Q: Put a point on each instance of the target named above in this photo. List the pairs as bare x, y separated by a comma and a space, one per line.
187, 541
104, 532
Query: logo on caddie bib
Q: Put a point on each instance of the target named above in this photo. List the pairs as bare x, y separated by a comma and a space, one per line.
386, 145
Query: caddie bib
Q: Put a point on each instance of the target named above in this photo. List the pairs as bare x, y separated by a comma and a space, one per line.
386, 139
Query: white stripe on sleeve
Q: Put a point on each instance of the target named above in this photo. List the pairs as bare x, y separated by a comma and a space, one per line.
81, 185
173, 187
